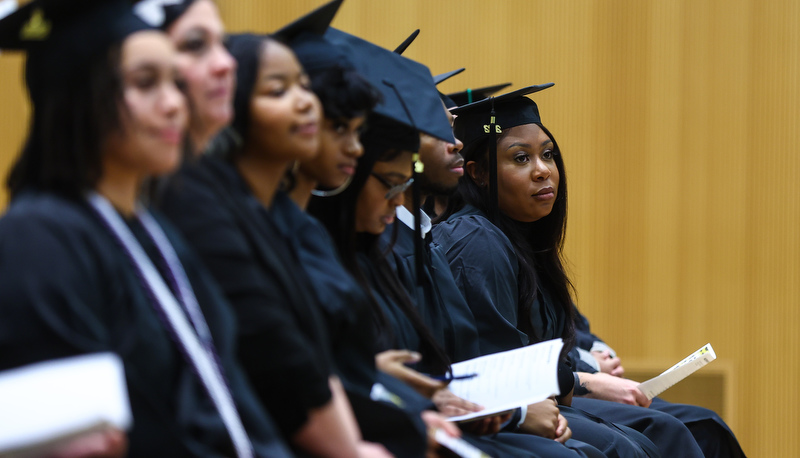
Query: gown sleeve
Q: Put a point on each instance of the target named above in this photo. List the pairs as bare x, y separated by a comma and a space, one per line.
485, 269
49, 294
288, 375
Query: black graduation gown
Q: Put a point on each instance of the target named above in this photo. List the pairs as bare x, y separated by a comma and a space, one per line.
343, 302
485, 267
345, 307
283, 344
501, 444
439, 301
404, 335
712, 434
68, 289
394, 421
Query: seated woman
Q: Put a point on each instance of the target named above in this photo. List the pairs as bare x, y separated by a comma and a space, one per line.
84, 267
356, 218
503, 235
207, 68
221, 203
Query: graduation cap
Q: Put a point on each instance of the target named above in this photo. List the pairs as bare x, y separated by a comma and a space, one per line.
473, 95
416, 195
61, 37
409, 96
448, 102
406, 43
161, 13
488, 117
306, 38
446, 76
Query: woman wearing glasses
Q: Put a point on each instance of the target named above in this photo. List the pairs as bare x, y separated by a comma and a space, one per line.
358, 217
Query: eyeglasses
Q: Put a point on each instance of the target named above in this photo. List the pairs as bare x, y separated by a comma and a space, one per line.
394, 189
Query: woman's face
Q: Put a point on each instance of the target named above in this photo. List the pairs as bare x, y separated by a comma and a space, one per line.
207, 67
527, 175
284, 113
373, 210
339, 150
154, 116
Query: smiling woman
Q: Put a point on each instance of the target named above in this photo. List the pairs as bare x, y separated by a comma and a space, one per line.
78, 250
198, 33
505, 232
224, 203
152, 121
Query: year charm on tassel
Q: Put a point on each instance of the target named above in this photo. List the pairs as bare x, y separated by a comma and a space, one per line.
487, 128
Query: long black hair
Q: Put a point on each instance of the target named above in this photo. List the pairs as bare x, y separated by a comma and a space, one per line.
338, 214
70, 121
538, 245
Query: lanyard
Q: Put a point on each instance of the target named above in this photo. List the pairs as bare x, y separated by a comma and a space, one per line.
201, 355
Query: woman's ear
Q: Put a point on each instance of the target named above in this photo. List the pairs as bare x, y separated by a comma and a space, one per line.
477, 176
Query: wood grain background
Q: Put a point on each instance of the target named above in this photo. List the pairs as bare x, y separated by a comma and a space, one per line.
678, 121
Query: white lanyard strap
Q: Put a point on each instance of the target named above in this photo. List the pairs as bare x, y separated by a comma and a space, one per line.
183, 287
200, 356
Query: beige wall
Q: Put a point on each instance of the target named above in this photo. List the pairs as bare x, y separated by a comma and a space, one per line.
678, 122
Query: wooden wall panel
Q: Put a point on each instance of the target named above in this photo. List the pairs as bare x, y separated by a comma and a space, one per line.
678, 123
13, 114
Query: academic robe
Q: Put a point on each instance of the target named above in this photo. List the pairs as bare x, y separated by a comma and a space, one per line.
712, 434
67, 288
485, 267
438, 299
395, 421
283, 343
502, 444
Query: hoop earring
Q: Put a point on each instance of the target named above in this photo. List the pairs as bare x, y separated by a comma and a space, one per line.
332, 192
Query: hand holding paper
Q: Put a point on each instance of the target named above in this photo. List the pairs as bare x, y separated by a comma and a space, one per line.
678, 372
509, 379
49, 405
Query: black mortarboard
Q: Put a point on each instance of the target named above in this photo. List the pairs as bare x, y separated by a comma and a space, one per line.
407, 89
509, 110
161, 13
384, 133
305, 37
446, 76
489, 117
316, 22
474, 95
61, 37
448, 102
406, 43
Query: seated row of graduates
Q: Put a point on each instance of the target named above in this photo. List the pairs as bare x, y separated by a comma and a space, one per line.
270, 304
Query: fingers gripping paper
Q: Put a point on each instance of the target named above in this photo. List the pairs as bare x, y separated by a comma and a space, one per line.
510, 379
